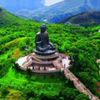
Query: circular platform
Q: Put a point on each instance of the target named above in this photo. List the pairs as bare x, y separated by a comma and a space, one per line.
44, 64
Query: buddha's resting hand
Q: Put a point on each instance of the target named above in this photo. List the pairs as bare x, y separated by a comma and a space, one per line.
43, 49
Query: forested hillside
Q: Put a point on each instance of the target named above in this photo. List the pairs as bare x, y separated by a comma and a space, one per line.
81, 43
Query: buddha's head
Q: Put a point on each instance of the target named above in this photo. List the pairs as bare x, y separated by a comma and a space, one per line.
43, 28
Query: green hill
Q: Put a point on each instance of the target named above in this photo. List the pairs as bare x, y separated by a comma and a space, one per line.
83, 44
6, 18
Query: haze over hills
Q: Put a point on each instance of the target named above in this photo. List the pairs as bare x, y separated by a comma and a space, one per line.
36, 9
56, 12
17, 5
65, 9
94, 4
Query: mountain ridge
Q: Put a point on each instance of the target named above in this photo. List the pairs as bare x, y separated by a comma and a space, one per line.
86, 18
59, 11
50, 14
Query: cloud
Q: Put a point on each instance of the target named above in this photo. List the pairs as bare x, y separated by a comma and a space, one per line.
51, 2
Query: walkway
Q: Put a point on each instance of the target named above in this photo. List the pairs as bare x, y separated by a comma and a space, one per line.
79, 85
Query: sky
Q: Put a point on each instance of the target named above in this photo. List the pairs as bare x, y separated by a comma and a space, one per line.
51, 2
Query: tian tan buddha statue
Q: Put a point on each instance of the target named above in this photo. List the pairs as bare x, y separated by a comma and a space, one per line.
43, 46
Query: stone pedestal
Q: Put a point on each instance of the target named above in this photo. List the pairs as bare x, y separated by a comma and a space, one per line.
44, 63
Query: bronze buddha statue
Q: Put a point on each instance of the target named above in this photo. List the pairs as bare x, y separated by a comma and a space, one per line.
43, 46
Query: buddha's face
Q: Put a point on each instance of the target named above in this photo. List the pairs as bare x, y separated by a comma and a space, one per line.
43, 29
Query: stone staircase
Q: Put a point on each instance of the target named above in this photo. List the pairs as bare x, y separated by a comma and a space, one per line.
79, 85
